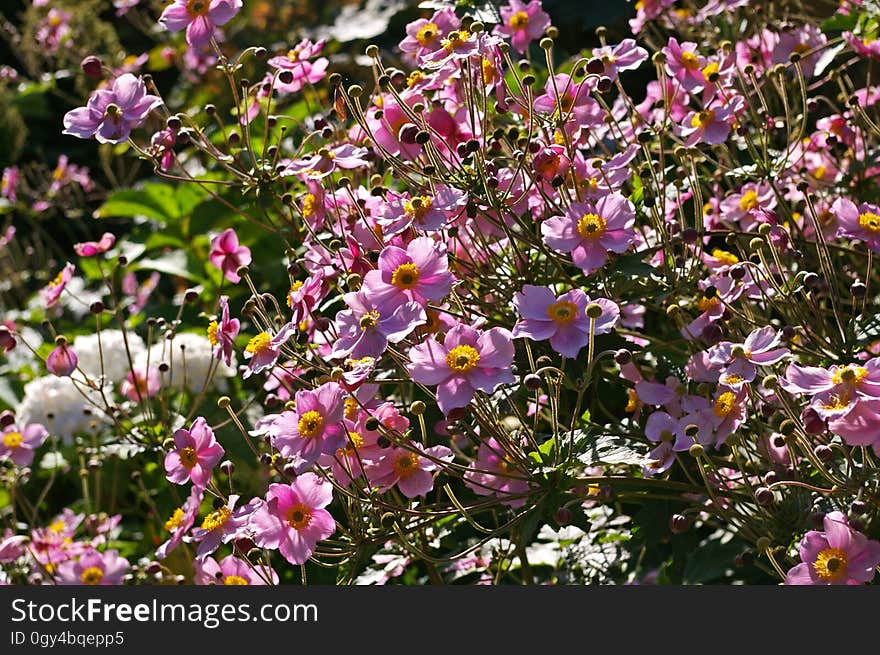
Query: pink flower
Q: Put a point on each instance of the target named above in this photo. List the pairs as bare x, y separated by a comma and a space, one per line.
570, 100
180, 522
664, 428
624, 56
427, 213
62, 361
326, 161
423, 35
12, 546
408, 468
52, 291
195, 453
141, 383
738, 360
862, 222
468, 360
232, 570
293, 518
199, 18
685, 65
711, 125
523, 23
494, 473
314, 428
366, 328
419, 273
111, 113
221, 526
837, 556
563, 319
9, 182
588, 231
222, 335
18, 444
94, 568
92, 248
228, 256
303, 71
264, 349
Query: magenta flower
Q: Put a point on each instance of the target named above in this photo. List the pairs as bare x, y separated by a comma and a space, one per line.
326, 161
837, 556
141, 383
588, 231
314, 428
569, 100
222, 334
199, 18
711, 125
303, 297
264, 349
195, 453
625, 56
180, 522
12, 546
522, 23
563, 319
293, 518
408, 468
62, 361
862, 222
52, 291
303, 71
221, 526
232, 570
110, 114
419, 273
92, 248
366, 328
428, 213
468, 360
738, 360
493, 473
18, 444
685, 65
423, 35
93, 568
228, 255
9, 183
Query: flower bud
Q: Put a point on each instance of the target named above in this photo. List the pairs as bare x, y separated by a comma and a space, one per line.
92, 67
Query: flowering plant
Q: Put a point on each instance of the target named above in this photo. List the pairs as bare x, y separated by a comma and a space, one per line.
482, 310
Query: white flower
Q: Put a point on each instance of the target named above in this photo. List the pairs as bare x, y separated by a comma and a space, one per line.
62, 405
190, 359
112, 359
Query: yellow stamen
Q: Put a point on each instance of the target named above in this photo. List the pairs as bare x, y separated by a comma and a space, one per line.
213, 326
405, 276
175, 520
299, 516
870, 221
12, 439
563, 312
234, 580
405, 464
216, 519
831, 564
427, 34
592, 227
188, 457
462, 359
724, 404
519, 20
749, 201
92, 576
259, 343
310, 424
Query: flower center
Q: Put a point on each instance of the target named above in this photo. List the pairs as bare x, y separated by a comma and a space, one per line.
58, 526
724, 404
296, 286
259, 343
59, 279
213, 326
234, 580
405, 276
293, 54
849, 374
12, 439
830, 564
188, 457
704, 304
175, 520
689, 60
455, 40
870, 221
427, 34
416, 208
113, 112
351, 407
355, 441
462, 359
309, 204
488, 70
562, 312
710, 69
749, 201
299, 516
92, 576
310, 424
836, 402
726, 258
369, 320
591, 227
519, 20
197, 7
216, 519
406, 464
703, 118
414, 78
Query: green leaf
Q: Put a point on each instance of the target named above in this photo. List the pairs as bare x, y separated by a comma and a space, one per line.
606, 449
154, 201
840, 23
174, 263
